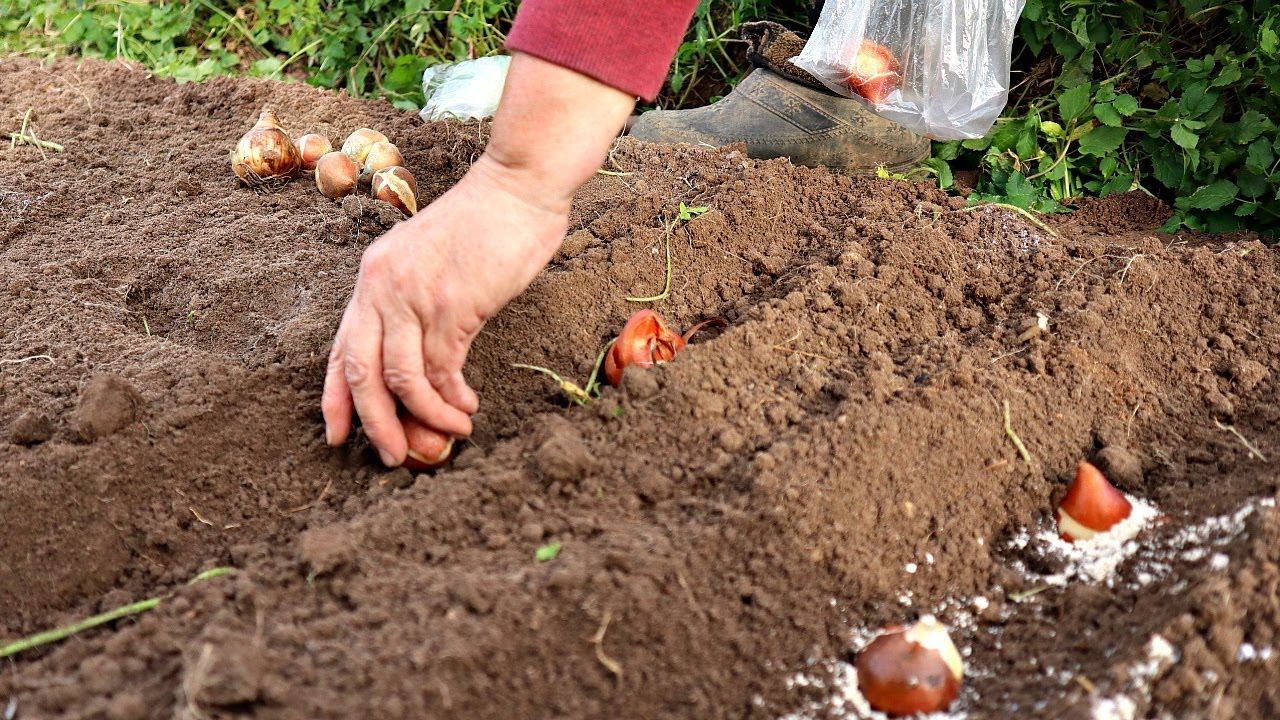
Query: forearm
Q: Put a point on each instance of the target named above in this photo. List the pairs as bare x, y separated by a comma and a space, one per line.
552, 131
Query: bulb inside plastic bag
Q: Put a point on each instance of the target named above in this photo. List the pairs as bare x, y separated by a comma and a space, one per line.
464, 91
937, 67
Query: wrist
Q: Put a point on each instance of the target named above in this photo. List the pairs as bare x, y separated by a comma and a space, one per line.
544, 190
552, 130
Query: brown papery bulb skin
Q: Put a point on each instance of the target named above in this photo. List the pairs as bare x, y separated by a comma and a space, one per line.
336, 175
382, 155
910, 670
427, 448
312, 147
358, 143
646, 340
395, 185
265, 158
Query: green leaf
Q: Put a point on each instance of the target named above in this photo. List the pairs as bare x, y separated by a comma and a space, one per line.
1184, 137
1108, 165
405, 77
1126, 105
1213, 196
1196, 100
1051, 129
1250, 125
942, 170
1230, 75
1102, 140
1252, 184
1006, 135
1268, 41
1174, 222
1260, 156
1246, 209
266, 67
1108, 115
1072, 103
1019, 191
547, 552
1117, 184
1080, 28
1028, 145
951, 150
689, 213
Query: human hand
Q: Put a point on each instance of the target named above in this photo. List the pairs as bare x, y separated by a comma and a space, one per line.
424, 291
427, 287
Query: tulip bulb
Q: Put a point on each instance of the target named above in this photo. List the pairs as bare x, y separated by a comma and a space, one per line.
381, 156
427, 448
312, 147
1092, 505
874, 72
645, 341
336, 175
395, 185
358, 143
265, 158
910, 670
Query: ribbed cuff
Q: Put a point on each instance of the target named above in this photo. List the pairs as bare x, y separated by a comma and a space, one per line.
626, 44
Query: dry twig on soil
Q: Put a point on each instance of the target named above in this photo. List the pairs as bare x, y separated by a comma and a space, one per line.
29, 137
29, 358
1253, 449
609, 663
1013, 436
1024, 213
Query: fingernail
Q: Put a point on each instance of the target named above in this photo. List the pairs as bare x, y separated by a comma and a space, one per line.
328, 434
388, 459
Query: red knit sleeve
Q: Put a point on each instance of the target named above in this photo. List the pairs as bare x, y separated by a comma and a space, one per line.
627, 44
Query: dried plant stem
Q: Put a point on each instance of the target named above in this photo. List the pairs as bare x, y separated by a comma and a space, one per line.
666, 285
1013, 436
570, 388
1024, 213
29, 138
29, 358
1253, 449
597, 640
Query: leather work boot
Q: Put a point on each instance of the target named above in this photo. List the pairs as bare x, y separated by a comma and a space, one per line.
780, 110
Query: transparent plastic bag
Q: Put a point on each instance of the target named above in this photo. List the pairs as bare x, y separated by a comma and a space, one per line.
938, 67
466, 90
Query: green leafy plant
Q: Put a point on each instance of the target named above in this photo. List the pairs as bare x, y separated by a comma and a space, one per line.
367, 47
1175, 99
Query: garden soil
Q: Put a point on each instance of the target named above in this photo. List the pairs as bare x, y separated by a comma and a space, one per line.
730, 526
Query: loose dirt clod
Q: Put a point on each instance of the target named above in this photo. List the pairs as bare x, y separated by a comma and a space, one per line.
30, 428
108, 403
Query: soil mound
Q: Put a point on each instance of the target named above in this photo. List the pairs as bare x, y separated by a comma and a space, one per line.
730, 525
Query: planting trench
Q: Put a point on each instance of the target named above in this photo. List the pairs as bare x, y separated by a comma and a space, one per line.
832, 461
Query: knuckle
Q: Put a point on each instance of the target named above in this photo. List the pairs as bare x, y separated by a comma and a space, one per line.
399, 381
374, 262
356, 371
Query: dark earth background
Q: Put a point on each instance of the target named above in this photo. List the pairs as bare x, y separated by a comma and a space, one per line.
726, 521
